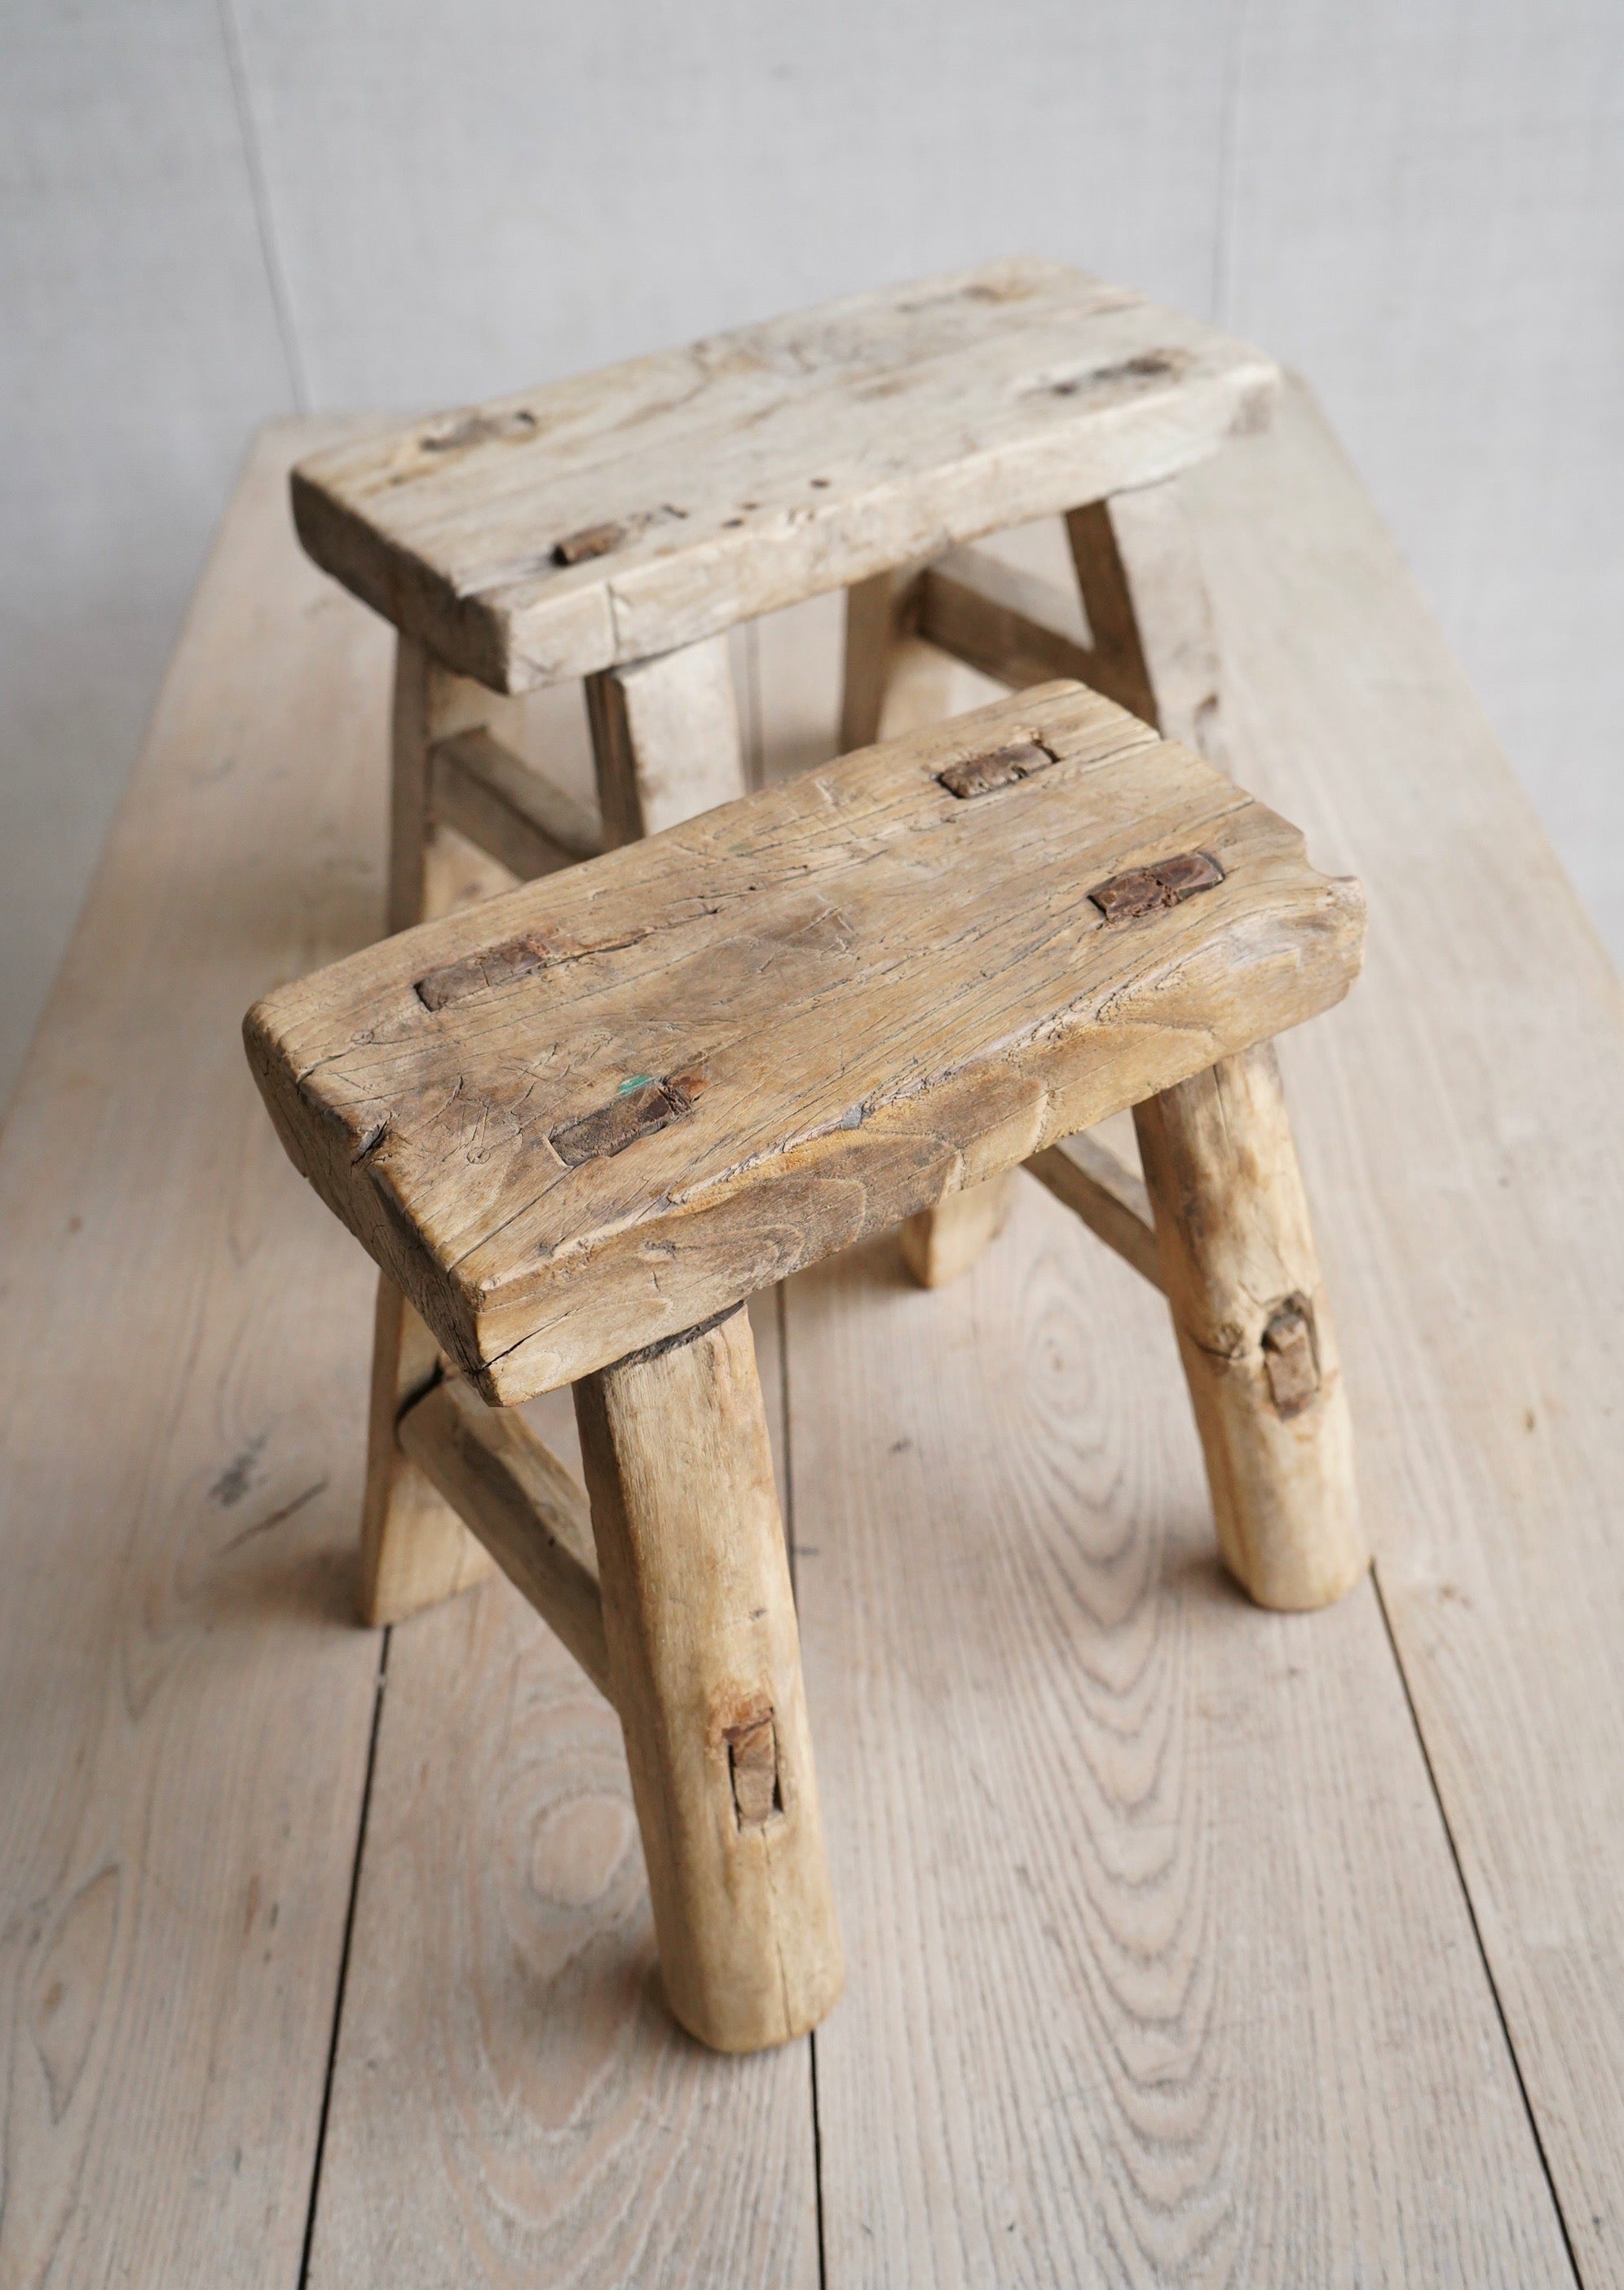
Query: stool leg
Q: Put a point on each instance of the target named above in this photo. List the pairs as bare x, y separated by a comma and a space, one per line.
665, 738
895, 682
414, 1548
705, 1665
938, 1244
1149, 611
1240, 1273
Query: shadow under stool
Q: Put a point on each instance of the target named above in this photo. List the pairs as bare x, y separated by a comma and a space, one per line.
616, 526
577, 1124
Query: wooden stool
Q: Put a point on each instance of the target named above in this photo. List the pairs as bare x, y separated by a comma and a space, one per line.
617, 526
577, 1124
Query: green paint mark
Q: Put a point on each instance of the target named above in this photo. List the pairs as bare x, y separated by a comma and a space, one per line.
637, 1081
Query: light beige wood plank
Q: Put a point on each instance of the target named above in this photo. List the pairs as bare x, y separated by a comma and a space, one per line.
1459, 1126
603, 520
760, 1008
512, 2101
184, 1702
1159, 1968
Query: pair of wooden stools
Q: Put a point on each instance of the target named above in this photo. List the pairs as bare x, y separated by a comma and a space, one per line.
579, 1124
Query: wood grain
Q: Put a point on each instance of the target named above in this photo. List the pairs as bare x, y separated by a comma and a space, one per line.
1257, 1334
1457, 1124
491, 795
604, 519
1109, 1196
512, 2101
512, 1492
185, 1704
761, 1006
1159, 1969
665, 740
705, 1666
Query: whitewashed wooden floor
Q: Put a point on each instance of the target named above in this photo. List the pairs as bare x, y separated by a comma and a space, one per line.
1188, 1944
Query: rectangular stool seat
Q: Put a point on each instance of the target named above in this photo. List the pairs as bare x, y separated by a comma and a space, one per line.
607, 518
590, 1113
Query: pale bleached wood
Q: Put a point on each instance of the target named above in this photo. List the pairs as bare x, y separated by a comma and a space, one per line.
506, 1486
892, 681
1160, 1972
1256, 1332
1115, 632
705, 1667
185, 1704
598, 521
667, 741
512, 2101
1458, 1127
1007, 623
1108, 1197
413, 1550
880, 616
766, 996
1150, 613
494, 798
941, 1244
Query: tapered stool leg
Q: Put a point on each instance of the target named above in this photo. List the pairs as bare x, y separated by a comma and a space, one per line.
705, 1667
1242, 1274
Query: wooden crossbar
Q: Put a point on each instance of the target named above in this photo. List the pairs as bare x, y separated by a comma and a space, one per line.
508, 809
511, 1490
1108, 1197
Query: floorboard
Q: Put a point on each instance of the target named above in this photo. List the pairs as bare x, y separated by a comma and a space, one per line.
1188, 1944
1461, 1115
184, 1704
1162, 1970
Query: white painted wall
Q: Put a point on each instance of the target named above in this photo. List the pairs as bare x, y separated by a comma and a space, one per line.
215, 210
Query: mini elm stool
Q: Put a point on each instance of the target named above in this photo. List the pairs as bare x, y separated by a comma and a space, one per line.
577, 1124
615, 527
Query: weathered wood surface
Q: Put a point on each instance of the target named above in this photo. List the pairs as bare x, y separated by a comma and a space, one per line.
1107, 1194
665, 740
1189, 1991
600, 520
491, 796
1459, 1126
512, 2101
185, 1704
1257, 1334
603, 1108
414, 1550
705, 1666
528, 1512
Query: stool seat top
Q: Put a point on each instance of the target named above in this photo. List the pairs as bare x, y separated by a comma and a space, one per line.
587, 1114
601, 520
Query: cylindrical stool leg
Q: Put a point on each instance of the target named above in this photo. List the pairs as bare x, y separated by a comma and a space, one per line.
705, 1665
1241, 1276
